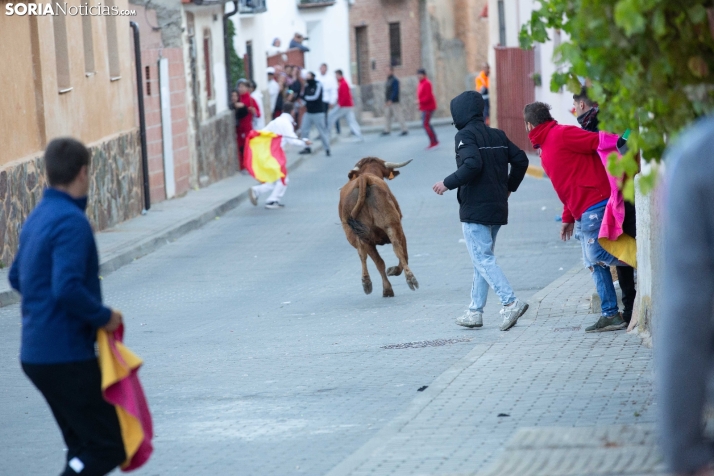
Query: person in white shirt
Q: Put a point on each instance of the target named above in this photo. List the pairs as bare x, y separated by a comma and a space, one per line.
274, 47
284, 126
329, 89
257, 95
273, 90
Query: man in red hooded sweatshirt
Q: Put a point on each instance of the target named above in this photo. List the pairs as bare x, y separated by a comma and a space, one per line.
245, 108
569, 157
427, 106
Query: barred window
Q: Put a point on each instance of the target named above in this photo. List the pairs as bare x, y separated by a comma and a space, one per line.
395, 45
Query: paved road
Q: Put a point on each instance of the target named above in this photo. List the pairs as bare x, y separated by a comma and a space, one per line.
262, 353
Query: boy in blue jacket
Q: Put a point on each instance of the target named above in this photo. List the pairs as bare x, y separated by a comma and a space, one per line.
56, 270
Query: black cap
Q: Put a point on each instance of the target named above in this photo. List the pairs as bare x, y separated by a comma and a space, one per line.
421, 71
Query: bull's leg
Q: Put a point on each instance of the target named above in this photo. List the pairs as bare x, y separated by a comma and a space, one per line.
366, 280
374, 254
394, 271
399, 243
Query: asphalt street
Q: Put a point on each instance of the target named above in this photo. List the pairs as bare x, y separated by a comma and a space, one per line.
263, 356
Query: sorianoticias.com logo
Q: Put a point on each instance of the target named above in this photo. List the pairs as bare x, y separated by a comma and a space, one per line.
22, 9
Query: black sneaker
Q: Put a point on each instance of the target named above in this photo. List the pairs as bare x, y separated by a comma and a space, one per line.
404, 133
604, 324
385, 133
305, 151
327, 152
273, 205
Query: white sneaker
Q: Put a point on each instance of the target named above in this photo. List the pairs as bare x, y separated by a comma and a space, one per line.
512, 313
470, 319
253, 196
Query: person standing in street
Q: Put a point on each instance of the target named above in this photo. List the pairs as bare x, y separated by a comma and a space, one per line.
587, 111
257, 96
345, 107
484, 183
329, 93
391, 104
283, 126
684, 337
482, 85
569, 157
273, 91
245, 109
315, 113
56, 271
427, 106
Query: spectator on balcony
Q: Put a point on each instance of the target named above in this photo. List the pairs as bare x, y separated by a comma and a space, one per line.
296, 42
345, 107
274, 47
391, 104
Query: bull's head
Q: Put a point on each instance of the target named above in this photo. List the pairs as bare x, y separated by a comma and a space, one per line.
378, 167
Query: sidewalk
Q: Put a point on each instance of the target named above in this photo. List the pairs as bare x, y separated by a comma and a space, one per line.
541, 379
164, 222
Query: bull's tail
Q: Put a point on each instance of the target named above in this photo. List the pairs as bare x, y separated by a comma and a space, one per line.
358, 228
362, 185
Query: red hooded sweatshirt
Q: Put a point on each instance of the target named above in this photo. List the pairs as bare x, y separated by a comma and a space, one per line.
569, 157
427, 101
344, 95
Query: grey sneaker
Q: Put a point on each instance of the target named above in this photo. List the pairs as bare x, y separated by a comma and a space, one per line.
253, 196
604, 324
512, 313
470, 319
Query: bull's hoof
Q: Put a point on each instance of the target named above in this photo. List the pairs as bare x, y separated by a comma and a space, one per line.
412, 282
389, 292
394, 271
367, 285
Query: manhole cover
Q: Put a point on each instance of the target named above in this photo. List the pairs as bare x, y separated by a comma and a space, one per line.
425, 343
566, 329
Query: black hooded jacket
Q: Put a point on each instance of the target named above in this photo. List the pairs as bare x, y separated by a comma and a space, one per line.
482, 157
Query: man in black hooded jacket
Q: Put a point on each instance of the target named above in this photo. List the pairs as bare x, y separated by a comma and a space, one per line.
484, 184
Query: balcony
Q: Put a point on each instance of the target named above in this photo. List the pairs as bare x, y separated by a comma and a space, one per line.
314, 3
249, 7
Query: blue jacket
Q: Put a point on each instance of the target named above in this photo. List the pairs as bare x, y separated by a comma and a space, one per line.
56, 271
392, 89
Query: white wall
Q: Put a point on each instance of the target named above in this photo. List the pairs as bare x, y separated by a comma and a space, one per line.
330, 44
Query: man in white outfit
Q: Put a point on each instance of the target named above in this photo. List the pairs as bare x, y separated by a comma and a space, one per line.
257, 95
329, 89
283, 126
273, 90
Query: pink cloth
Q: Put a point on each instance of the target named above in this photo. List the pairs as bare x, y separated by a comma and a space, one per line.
611, 227
128, 394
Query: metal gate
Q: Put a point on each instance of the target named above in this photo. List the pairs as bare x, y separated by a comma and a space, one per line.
514, 88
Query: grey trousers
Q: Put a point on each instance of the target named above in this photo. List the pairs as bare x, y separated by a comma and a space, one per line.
348, 113
394, 110
316, 119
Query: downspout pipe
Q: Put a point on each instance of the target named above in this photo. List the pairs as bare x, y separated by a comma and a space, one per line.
142, 117
226, 49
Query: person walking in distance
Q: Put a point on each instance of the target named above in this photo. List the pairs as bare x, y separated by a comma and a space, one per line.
484, 183
587, 111
345, 107
427, 106
315, 114
482, 85
56, 271
329, 93
391, 104
283, 126
569, 157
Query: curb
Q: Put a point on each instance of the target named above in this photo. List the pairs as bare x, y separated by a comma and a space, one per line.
348, 465
152, 243
411, 125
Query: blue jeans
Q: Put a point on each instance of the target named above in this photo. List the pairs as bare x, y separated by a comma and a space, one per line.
597, 259
480, 241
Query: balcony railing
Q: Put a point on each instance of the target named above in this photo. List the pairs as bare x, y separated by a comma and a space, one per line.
246, 7
314, 3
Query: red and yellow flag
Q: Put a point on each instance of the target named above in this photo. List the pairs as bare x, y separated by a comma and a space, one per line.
264, 157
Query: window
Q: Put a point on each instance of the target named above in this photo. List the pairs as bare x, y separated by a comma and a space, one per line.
61, 53
208, 62
501, 23
88, 45
113, 45
395, 45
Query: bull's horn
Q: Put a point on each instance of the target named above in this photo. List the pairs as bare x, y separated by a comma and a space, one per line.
356, 169
394, 165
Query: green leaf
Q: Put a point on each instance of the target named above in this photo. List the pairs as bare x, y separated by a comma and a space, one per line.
697, 14
629, 18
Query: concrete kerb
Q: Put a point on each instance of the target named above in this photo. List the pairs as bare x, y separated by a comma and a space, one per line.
441, 383
411, 125
114, 261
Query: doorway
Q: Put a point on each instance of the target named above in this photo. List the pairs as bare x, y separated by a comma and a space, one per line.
362, 46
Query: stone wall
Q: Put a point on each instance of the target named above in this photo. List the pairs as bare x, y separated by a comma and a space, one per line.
115, 193
372, 98
217, 149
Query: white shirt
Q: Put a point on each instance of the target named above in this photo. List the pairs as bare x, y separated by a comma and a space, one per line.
329, 85
273, 91
283, 125
258, 122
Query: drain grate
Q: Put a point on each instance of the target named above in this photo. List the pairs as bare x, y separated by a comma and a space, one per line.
566, 329
426, 343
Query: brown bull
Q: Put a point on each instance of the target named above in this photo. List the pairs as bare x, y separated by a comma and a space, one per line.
371, 216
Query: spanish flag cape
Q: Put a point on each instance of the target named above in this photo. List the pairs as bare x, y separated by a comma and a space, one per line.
612, 238
121, 388
264, 156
